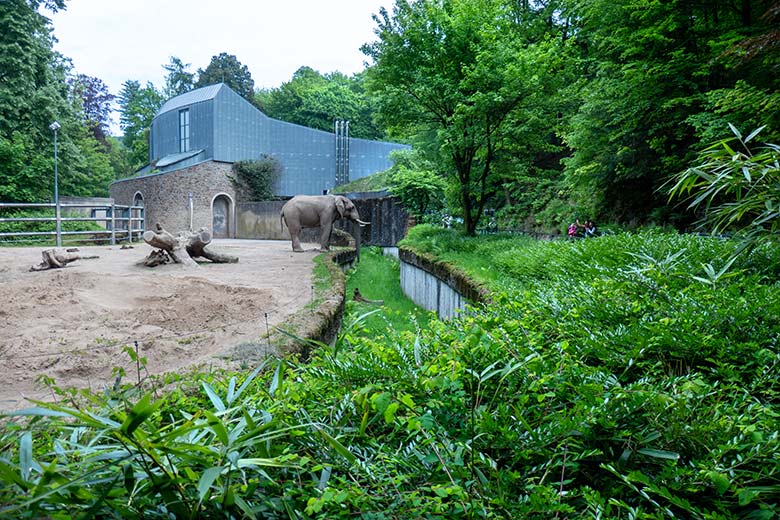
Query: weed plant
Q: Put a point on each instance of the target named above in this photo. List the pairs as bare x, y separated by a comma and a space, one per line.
625, 377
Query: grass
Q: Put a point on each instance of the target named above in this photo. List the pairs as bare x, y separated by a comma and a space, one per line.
376, 182
378, 278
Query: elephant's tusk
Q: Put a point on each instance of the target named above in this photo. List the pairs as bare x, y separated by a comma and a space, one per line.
362, 224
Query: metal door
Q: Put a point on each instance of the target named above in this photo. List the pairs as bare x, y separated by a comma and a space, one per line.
221, 217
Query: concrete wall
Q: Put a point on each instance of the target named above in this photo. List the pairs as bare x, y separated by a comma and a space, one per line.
431, 293
389, 221
436, 287
166, 196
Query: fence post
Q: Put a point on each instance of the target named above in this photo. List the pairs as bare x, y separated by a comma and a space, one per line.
113, 226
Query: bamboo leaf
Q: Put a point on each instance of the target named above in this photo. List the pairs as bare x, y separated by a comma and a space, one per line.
215, 399
754, 133
659, 454
251, 378
25, 456
336, 445
276, 380
218, 428
207, 479
231, 390
142, 410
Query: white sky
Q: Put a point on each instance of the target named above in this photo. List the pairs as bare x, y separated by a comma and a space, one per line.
120, 40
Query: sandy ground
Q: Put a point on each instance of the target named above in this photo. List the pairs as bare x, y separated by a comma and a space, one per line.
71, 324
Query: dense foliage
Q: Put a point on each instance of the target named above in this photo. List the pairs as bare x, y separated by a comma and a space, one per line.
627, 376
256, 180
737, 186
316, 100
225, 68
558, 109
34, 92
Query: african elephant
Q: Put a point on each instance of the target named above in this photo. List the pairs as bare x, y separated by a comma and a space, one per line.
308, 211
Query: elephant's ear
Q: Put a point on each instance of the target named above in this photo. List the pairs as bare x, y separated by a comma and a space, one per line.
340, 206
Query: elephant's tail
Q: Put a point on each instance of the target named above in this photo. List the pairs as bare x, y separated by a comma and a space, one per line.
281, 221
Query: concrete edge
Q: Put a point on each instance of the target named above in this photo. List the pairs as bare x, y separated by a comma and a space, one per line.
447, 273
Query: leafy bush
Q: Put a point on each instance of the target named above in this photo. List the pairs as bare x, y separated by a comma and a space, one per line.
736, 188
256, 179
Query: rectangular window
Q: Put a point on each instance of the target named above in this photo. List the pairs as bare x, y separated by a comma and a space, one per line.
184, 130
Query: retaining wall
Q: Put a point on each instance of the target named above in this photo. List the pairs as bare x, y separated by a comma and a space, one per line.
437, 286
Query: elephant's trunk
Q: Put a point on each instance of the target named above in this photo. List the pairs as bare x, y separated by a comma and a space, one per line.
362, 224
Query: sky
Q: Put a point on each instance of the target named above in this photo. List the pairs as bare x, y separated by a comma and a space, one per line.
125, 40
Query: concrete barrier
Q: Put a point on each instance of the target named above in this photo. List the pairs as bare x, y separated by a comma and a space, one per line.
437, 286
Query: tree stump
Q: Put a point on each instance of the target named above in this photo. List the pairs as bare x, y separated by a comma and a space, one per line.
182, 248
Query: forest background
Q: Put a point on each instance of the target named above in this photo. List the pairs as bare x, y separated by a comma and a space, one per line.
533, 112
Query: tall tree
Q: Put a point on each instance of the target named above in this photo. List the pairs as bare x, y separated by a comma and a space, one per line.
178, 80
138, 105
33, 93
95, 103
225, 68
454, 71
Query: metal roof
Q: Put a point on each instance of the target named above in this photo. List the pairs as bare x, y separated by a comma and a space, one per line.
188, 98
176, 157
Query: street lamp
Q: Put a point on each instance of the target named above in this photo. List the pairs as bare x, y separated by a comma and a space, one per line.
54, 127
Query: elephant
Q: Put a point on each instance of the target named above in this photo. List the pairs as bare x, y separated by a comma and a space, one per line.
309, 211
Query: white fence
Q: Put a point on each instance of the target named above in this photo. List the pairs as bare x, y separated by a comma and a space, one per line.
117, 222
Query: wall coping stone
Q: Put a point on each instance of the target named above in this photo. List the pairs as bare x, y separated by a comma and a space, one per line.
456, 278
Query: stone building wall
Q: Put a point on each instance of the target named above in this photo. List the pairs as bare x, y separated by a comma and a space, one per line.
166, 196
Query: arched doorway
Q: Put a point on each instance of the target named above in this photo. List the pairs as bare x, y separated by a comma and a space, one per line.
221, 209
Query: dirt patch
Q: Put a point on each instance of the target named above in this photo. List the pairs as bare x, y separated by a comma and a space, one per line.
71, 324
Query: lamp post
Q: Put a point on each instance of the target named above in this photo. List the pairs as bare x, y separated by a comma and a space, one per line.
54, 127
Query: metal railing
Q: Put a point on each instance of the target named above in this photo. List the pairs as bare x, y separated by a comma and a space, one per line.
118, 222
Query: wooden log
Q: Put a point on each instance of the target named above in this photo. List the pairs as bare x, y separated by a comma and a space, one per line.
176, 247
197, 246
56, 258
184, 247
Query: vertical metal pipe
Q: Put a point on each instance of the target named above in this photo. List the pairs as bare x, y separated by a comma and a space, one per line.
113, 224
336, 150
346, 153
55, 126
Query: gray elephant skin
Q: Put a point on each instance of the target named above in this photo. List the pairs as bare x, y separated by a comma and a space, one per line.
309, 211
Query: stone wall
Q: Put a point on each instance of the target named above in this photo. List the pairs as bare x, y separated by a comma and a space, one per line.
388, 221
166, 195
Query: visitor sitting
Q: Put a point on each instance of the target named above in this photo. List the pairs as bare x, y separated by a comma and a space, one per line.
588, 228
573, 230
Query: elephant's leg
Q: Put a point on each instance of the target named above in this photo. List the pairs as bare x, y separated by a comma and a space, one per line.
295, 234
327, 229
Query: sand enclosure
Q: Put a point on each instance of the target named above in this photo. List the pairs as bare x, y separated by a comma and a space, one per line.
71, 323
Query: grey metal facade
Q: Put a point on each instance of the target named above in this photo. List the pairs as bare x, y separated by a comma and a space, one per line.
225, 127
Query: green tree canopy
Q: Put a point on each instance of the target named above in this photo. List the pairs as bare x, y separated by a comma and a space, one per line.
316, 100
178, 79
656, 78
225, 68
35, 91
453, 73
